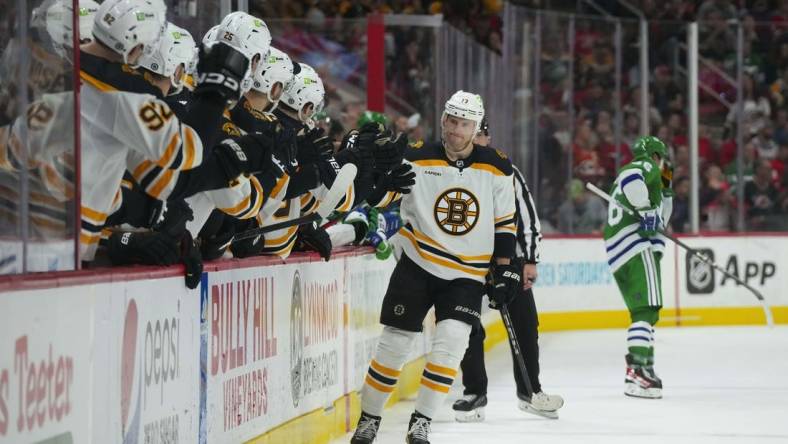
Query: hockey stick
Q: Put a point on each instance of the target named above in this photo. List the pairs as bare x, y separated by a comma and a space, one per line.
337, 191
518, 353
766, 310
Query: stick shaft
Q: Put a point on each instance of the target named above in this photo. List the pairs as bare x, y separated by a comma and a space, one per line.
516, 350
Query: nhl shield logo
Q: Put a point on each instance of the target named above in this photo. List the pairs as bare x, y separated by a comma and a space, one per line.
296, 341
699, 274
456, 211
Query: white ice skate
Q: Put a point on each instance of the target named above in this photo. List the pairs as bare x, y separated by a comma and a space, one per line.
541, 404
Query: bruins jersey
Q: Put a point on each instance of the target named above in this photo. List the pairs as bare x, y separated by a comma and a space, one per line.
113, 122
459, 214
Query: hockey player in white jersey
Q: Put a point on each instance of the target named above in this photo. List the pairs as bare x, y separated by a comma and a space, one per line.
115, 121
458, 226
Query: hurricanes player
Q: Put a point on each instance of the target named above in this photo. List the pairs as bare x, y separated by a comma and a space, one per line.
634, 249
458, 225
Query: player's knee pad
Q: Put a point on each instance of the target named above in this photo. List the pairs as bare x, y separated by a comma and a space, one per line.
646, 314
394, 346
450, 342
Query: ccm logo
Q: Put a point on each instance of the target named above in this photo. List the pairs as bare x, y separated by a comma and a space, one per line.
219, 79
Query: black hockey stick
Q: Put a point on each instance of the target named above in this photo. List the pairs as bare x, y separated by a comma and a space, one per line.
337, 191
695, 253
516, 350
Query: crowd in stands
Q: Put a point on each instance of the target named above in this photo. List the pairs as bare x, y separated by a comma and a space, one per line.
591, 141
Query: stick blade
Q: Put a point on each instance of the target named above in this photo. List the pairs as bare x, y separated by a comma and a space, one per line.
338, 189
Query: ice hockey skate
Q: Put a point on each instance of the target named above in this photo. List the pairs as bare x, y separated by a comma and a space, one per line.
541, 404
366, 430
641, 381
470, 408
418, 429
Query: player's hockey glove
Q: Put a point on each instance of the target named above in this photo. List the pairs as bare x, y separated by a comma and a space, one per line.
192, 260
248, 154
358, 146
213, 246
667, 179
221, 70
172, 218
152, 248
399, 180
389, 153
247, 247
650, 222
314, 238
316, 148
505, 282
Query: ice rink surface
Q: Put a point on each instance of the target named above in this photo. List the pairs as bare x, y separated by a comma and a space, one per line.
722, 385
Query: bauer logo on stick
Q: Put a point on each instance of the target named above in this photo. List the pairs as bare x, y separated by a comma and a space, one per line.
700, 275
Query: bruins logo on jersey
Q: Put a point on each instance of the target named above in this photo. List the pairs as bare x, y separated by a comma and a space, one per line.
456, 211
231, 129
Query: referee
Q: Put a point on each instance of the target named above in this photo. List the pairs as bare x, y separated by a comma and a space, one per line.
470, 408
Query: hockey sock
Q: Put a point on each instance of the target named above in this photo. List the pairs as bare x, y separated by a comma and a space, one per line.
651, 349
384, 370
448, 347
639, 342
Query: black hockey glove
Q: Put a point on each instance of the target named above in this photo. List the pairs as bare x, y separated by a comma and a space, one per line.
152, 248
314, 147
192, 261
314, 238
505, 282
172, 217
389, 153
357, 147
247, 247
399, 180
214, 246
248, 154
221, 70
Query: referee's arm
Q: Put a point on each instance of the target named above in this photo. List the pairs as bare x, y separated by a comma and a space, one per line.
529, 230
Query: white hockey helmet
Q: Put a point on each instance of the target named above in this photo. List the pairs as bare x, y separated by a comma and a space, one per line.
276, 68
306, 87
57, 21
176, 47
123, 24
247, 34
466, 105
244, 32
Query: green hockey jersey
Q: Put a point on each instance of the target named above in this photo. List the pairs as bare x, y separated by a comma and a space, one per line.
638, 186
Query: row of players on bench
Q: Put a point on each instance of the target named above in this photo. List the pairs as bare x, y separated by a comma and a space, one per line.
236, 150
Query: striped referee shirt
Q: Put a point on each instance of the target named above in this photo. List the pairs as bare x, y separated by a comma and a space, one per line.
529, 234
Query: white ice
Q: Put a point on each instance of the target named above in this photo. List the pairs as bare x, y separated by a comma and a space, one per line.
722, 385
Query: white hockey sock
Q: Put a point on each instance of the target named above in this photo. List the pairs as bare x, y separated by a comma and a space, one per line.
640, 334
392, 351
448, 347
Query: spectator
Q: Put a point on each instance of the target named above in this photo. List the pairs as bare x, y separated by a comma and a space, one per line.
665, 89
764, 142
748, 165
586, 162
716, 36
780, 163
710, 10
781, 127
715, 200
760, 196
582, 213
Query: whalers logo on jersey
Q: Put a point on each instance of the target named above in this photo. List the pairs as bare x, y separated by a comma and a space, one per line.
456, 211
